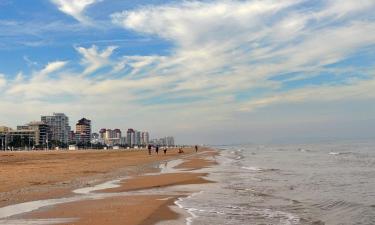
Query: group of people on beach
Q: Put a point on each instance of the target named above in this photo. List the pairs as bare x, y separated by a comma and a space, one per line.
156, 148
150, 147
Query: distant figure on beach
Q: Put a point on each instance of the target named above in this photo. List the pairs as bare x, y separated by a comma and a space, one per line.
180, 150
149, 149
196, 148
157, 149
165, 150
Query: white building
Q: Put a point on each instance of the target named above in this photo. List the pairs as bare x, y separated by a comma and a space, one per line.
59, 126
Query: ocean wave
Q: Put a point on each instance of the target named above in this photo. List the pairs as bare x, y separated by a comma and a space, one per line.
284, 217
252, 168
340, 153
257, 169
334, 153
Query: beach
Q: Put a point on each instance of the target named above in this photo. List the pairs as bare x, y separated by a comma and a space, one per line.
71, 178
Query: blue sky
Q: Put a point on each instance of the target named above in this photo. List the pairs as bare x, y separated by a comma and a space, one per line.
219, 71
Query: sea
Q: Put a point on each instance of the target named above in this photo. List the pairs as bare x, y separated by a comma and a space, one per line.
325, 183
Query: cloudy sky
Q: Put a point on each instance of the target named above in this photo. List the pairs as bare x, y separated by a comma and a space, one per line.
221, 71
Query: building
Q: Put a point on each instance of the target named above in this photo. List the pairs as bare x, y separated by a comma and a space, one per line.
145, 138
42, 132
117, 133
110, 137
165, 141
123, 141
83, 131
169, 141
137, 138
59, 127
31, 135
130, 137
102, 133
4, 137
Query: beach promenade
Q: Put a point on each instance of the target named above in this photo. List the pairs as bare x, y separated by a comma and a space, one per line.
75, 179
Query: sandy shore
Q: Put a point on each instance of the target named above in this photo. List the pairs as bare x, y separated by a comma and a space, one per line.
27, 176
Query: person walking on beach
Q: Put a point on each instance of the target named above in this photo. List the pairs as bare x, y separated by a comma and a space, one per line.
165, 150
149, 149
157, 149
196, 148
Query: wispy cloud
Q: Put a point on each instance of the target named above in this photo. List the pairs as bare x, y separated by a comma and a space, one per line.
75, 8
93, 59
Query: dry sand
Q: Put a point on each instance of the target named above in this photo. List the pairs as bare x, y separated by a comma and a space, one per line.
26, 176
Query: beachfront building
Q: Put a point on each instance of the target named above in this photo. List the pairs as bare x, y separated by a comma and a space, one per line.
110, 137
59, 126
102, 133
4, 137
130, 137
42, 132
83, 131
29, 136
165, 141
137, 138
169, 141
123, 141
145, 138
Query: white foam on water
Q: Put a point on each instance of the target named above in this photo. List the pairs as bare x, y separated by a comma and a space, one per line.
285, 217
252, 168
334, 153
190, 219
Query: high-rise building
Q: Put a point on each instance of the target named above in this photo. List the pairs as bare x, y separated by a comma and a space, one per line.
137, 138
123, 141
169, 141
117, 133
110, 137
108, 134
102, 133
59, 127
130, 137
83, 131
145, 138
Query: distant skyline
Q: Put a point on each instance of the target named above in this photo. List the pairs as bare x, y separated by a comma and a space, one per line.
214, 72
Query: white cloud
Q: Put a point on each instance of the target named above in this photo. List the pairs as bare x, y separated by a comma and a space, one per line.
3, 81
53, 67
93, 59
358, 89
236, 45
219, 49
75, 8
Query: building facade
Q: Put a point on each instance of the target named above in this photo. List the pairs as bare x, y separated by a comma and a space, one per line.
110, 137
130, 137
83, 131
59, 127
29, 136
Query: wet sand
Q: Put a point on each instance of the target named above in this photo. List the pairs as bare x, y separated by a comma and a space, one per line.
116, 210
26, 176
69, 170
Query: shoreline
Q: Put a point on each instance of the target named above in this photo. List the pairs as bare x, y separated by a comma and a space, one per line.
145, 175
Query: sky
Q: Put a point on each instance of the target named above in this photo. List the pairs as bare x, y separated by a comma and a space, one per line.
215, 72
